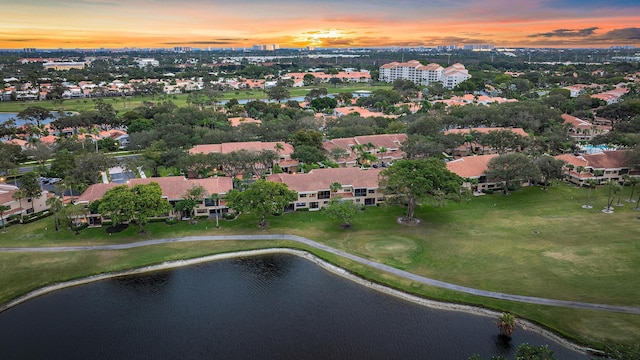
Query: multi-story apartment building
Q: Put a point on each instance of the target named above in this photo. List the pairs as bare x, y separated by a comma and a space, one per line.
424, 74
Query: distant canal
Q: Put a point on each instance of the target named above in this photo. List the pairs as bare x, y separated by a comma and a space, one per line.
266, 307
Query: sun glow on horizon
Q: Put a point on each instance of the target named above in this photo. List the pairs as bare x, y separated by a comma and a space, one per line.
319, 37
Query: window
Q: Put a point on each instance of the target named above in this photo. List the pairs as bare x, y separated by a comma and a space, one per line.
360, 192
301, 204
324, 194
371, 191
303, 196
313, 205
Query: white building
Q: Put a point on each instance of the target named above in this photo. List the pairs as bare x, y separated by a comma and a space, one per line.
424, 74
145, 62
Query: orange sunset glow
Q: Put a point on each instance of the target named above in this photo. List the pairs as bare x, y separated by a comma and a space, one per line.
213, 23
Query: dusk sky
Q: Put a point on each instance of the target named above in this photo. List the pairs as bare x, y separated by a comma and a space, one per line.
328, 23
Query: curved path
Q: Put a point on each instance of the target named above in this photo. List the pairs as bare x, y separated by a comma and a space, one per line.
358, 259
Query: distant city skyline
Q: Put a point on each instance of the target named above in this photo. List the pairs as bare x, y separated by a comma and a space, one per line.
329, 23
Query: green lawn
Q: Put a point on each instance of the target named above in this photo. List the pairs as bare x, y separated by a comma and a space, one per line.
534, 242
179, 99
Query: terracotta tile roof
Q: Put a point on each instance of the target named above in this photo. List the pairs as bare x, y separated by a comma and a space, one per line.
173, 187
470, 166
573, 160
518, 131
235, 121
576, 122
389, 141
6, 193
321, 179
226, 148
608, 159
361, 111
95, 192
615, 159
49, 139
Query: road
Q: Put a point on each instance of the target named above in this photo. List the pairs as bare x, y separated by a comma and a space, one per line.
363, 261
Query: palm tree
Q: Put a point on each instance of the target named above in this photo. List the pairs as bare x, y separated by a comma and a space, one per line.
55, 205
335, 186
216, 199
614, 188
633, 181
3, 208
625, 178
506, 324
382, 150
591, 183
19, 195
96, 132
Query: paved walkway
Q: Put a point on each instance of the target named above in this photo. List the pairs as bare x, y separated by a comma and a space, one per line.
367, 262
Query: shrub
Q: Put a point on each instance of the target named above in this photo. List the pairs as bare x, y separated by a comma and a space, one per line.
229, 216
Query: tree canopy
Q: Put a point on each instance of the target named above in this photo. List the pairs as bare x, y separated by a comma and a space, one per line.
512, 169
411, 181
261, 198
340, 209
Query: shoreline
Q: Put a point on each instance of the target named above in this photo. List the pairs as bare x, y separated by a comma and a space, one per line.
524, 324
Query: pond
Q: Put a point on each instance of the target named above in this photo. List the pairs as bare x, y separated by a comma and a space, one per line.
269, 306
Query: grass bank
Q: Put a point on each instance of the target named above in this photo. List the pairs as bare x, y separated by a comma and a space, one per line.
534, 242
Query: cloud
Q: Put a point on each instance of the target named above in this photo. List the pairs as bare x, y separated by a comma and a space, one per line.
564, 33
21, 40
632, 33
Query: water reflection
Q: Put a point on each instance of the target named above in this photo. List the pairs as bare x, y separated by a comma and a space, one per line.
143, 283
276, 306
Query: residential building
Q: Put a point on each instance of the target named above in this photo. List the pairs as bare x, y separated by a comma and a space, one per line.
583, 130
284, 151
472, 169
64, 65
386, 147
424, 74
173, 190
603, 166
314, 188
470, 147
24, 206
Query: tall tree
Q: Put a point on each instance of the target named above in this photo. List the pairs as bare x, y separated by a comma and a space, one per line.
550, 169
55, 205
512, 170
191, 199
118, 204
72, 214
410, 181
3, 209
278, 93
261, 198
340, 209
30, 184
148, 203
613, 188
591, 184
633, 181
34, 114
18, 195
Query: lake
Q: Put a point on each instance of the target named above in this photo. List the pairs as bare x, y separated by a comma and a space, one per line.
19, 122
269, 306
